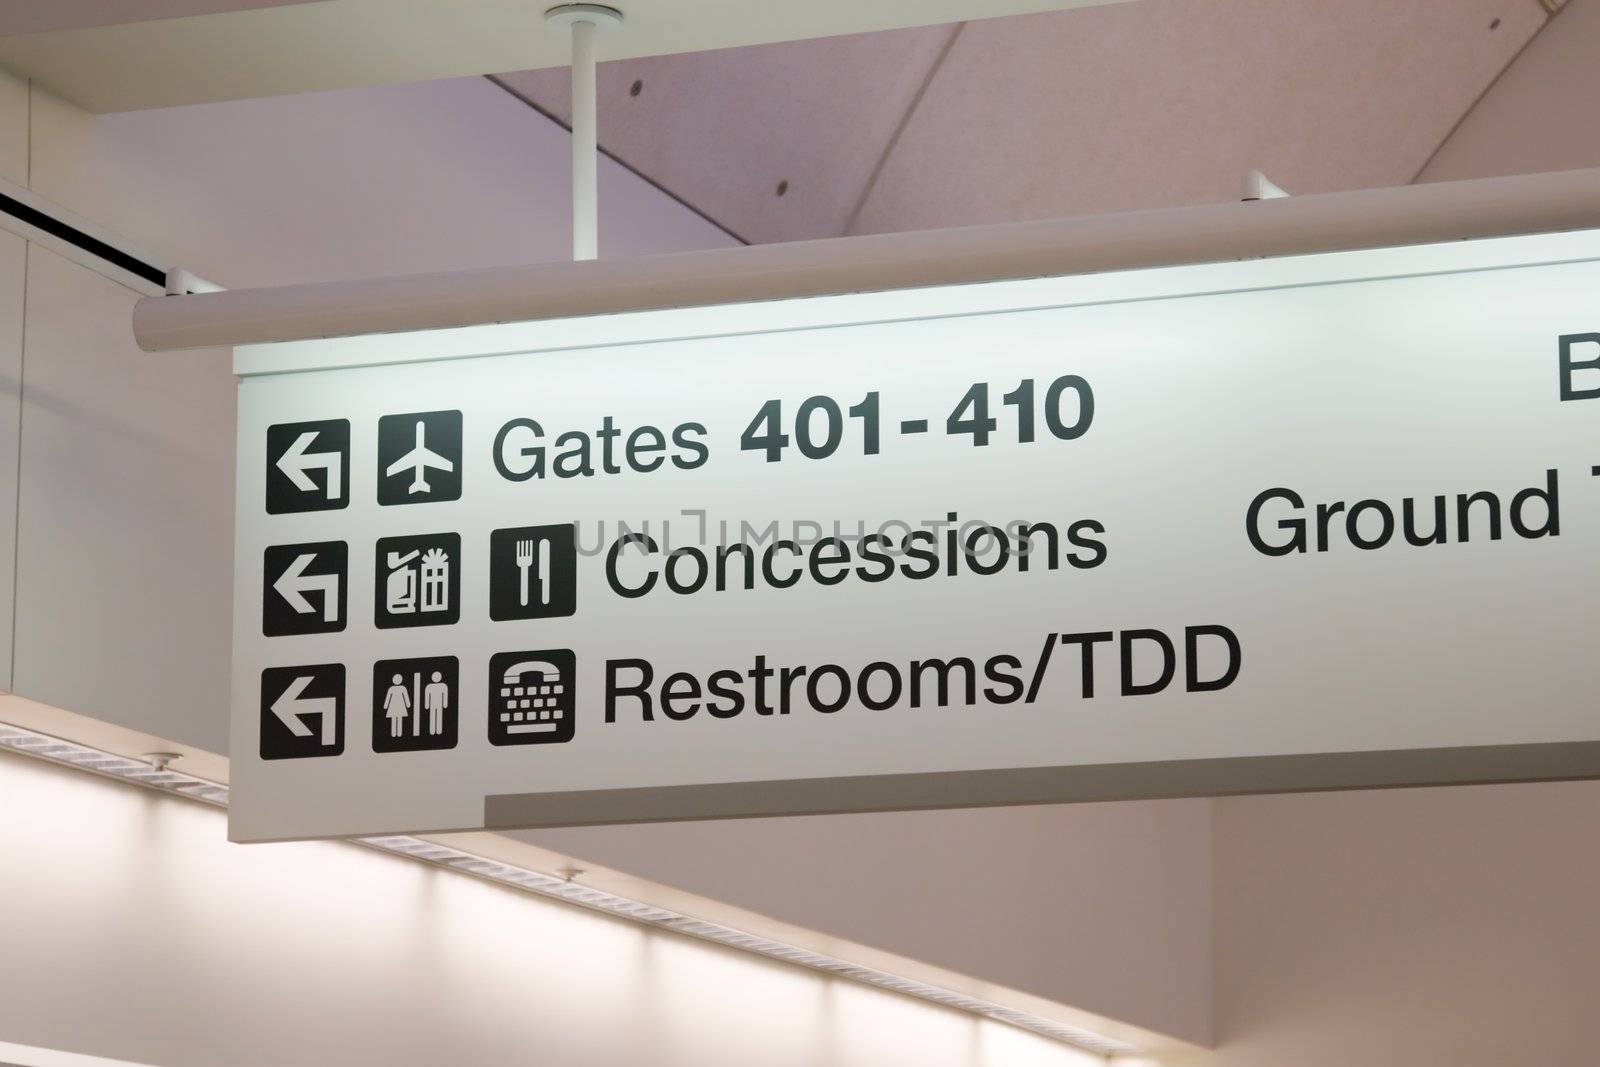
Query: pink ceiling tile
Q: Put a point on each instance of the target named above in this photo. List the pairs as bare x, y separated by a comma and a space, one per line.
1165, 102
1540, 114
726, 130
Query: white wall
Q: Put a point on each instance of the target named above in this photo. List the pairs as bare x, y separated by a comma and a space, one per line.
1106, 907
135, 931
1427, 927
124, 539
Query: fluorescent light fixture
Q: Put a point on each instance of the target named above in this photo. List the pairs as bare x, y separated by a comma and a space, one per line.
30, 1056
123, 768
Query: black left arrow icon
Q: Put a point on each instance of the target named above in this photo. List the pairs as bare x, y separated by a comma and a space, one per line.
308, 466
304, 588
302, 711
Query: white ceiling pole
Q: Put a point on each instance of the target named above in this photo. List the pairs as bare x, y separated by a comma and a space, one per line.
585, 145
585, 21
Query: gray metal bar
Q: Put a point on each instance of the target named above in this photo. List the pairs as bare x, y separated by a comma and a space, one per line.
1314, 772
1368, 218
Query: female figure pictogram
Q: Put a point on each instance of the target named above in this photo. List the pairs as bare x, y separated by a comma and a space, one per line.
397, 705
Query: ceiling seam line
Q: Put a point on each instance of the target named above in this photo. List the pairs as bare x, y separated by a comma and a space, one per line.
619, 161
8, 683
10, 679
1455, 127
899, 129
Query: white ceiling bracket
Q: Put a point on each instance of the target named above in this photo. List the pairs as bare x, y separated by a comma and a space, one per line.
182, 282
585, 20
1258, 186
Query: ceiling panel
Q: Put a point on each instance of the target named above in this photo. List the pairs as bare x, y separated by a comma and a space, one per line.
1540, 116
776, 142
41, 16
1152, 104
1169, 102
336, 44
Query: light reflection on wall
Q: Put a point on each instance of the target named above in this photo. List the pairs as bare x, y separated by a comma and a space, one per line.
135, 930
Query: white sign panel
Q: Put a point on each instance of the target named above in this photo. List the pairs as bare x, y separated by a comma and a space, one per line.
1305, 523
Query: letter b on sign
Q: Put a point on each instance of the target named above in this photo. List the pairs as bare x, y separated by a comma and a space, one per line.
1570, 349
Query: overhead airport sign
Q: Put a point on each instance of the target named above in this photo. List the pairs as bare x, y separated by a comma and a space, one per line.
1307, 523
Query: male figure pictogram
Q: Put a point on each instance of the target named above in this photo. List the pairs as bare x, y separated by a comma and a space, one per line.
435, 698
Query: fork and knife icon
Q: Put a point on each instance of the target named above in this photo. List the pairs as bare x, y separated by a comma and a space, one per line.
529, 549
533, 571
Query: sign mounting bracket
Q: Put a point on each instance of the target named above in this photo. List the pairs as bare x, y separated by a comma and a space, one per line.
585, 21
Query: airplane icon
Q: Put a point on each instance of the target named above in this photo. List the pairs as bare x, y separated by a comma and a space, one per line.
427, 446
418, 460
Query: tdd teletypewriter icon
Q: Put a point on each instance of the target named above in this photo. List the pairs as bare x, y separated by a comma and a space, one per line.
531, 697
